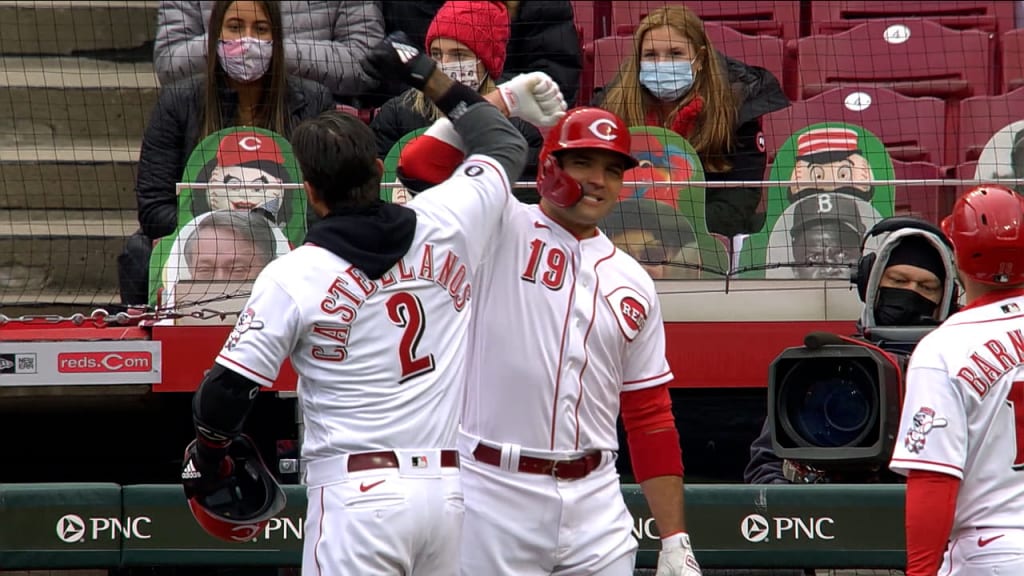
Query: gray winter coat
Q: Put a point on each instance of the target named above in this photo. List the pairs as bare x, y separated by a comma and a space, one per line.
324, 41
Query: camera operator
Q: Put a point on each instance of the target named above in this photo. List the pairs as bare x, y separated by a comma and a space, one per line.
909, 279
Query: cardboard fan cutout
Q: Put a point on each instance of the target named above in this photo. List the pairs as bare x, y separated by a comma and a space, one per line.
820, 225
397, 195
243, 160
658, 223
1003, 156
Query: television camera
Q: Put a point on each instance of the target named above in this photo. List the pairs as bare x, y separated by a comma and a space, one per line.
834, 403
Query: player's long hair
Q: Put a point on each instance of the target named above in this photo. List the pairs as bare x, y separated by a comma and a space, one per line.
272, 111
712, 136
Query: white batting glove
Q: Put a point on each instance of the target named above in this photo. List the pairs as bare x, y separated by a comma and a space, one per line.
676, 558
534, 97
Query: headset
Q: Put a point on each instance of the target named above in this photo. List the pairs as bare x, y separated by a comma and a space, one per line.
862, 273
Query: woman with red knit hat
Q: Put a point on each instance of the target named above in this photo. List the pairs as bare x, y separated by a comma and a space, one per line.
468, 39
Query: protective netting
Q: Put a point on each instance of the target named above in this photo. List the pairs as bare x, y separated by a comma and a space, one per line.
772, 163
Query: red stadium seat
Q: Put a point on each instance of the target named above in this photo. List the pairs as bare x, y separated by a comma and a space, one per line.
831, 16
912, 129
1013, 59
755, 17
930, 202
601, 61
604, 56
964, 171
981, 117
915, 57
585, 18
765, 51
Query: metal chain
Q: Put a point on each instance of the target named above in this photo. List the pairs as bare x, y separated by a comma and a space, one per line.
101, 317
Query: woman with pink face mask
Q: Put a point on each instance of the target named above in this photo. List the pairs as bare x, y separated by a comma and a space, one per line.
245, 84
469, 41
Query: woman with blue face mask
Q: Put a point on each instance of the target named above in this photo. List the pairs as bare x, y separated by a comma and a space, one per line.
676, 79
469, 41
245, 83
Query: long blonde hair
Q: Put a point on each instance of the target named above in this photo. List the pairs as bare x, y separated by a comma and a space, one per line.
712, 136
425, 107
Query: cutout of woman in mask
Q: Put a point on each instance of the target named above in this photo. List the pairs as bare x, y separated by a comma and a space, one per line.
246, 84
468, 40
676, 79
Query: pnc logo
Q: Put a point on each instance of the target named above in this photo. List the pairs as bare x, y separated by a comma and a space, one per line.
71, 528
755, 528
101, 362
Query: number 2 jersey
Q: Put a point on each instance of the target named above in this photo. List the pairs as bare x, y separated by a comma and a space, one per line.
963, 411
380, 362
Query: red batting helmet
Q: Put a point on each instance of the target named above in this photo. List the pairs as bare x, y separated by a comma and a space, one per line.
987, 231
583, 127
239, 506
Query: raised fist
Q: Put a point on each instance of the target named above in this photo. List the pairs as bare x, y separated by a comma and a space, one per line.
534, 97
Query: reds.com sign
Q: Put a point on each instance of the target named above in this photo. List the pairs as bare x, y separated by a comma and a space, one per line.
73, 363
101, 362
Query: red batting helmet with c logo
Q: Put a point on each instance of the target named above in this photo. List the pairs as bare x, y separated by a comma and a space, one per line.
584, 127
986, 228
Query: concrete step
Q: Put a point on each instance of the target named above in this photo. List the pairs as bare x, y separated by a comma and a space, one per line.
57, 302
68, 251
53, 98
66, 175
69, 27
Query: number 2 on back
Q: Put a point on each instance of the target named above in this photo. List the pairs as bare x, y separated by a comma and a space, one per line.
406, 311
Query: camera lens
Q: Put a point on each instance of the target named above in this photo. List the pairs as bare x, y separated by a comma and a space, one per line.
830, 403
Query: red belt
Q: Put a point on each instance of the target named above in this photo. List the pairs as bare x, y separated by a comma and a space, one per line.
388, 459
561, 469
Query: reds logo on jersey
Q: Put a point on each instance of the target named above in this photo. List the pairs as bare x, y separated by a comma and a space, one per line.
630, 309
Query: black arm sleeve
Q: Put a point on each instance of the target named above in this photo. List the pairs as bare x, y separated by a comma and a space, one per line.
222, 403
485, 131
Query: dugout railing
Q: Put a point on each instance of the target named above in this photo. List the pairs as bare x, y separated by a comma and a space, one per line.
107, 526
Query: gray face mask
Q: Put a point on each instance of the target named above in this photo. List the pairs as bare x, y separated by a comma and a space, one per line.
245, 59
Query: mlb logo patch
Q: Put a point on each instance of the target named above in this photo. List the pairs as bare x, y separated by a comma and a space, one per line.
419, 461
1011, 308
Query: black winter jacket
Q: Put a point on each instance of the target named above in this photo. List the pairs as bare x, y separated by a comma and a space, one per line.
732, 211
396, 118
543, 39
174, 131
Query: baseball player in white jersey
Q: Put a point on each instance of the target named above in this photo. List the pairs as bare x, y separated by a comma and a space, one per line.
962, 429
566, 331
373, 311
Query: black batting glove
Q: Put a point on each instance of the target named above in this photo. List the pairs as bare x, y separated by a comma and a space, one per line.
395, 57
206, 467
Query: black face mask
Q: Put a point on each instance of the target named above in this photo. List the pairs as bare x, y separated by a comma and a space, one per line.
901, 307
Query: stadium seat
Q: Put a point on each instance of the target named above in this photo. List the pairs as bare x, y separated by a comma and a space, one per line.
765, 51
831, 16
1013, 59
912, 129
585, 17
983, 116
930, 202
963, 171
755, 17
915, 57
601, 61
603, 57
